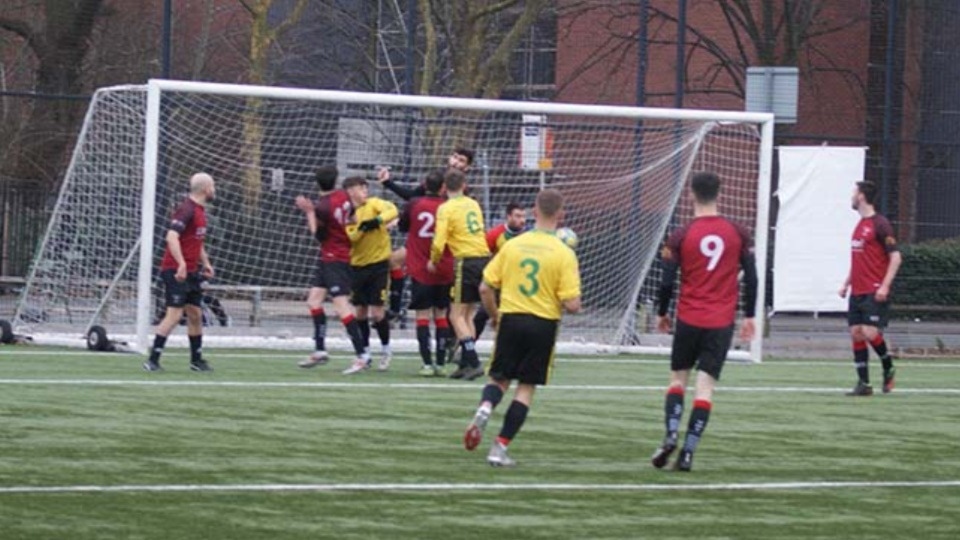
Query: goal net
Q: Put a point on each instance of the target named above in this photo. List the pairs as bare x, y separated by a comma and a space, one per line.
623, 172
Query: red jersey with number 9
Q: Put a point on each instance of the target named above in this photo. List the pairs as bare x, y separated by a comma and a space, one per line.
708, 250
421, 214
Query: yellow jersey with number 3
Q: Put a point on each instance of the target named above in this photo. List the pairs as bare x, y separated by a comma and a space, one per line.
534, 272
371, 246
459, 226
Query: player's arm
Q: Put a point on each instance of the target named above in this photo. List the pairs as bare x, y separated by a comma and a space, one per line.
569, 290
889, 242
670, 259
492, 281
383, 176
748, 262
173, 244
205, 261
440, 234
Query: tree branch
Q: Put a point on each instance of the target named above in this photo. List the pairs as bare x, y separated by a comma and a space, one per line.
25, 31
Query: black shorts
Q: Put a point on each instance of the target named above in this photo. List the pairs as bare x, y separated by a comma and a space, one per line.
705, 348
371, 284
424, 296
335, 277
864, 309
469, 275
524, 349
180, 293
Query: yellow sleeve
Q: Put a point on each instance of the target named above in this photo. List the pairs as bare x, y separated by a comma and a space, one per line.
493, 273
569, 278
387, 211
440, 234
353, 232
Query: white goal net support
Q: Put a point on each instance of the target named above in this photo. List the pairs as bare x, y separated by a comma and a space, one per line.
623, 170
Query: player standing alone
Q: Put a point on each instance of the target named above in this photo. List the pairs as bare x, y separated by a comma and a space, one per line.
538, 277
327, 219
460, 226
874, 261
184, 266
709, 253
429, 292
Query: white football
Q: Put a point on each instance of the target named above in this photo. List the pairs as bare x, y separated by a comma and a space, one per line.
568, 237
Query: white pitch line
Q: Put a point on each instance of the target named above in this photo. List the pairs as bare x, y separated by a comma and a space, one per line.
434, 487
443, 386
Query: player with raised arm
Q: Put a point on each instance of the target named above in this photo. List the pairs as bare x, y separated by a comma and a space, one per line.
709, 253
514, 224
429, 292
538, 277
874, 261
184, 268
326, 220
370, 259
460, 158
460, 228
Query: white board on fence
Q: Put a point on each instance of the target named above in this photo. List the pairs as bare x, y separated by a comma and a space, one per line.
814, 225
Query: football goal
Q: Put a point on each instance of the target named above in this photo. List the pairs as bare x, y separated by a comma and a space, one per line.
623, 171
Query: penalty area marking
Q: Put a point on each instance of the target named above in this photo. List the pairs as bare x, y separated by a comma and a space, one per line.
443, 386
434, 487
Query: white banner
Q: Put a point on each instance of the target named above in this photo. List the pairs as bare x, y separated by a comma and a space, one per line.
814, 225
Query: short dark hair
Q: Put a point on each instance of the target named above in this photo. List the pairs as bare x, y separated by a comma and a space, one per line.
434, 181
706, 187
511, 206
465, 152
869, 190
549, 202
454, 179
326, 177
354, 181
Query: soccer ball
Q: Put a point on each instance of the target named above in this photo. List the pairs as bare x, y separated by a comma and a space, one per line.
568, 237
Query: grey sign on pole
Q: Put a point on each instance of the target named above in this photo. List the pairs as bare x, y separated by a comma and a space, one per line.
773, 89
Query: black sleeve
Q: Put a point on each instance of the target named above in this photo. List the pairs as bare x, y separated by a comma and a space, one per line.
404, 224
749, 265
405, 193
321, 233
665, 293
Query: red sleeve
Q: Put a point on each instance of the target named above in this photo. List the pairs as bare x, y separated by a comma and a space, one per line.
182, 216
885, 234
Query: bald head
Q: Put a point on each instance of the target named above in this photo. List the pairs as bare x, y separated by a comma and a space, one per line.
201, 186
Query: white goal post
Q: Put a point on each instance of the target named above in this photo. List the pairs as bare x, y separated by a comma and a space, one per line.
623, 171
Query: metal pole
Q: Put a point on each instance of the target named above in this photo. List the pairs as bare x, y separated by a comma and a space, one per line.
681, 53
888, 105
642, 54
165, 43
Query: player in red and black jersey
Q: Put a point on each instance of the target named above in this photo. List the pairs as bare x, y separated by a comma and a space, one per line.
183, 269
709, 253
326, 219
461, 158
874, 261
429, 292
514, 224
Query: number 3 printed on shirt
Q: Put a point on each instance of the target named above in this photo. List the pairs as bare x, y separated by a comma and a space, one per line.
712, 248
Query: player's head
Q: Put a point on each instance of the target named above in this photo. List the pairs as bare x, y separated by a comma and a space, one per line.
455, 180
326, 177
864, 194
461, 159
356, 188
705, 187
433, 183
516, 216
549, 208
201, 185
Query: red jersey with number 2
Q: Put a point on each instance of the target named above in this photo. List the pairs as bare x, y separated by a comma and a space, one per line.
708, 251
422, 216
873, 242
333, 212
190, 221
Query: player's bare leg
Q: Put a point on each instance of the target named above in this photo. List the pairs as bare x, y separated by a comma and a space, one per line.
673, 412
512, 422
170, 321
490, 397
460, 317
195, 335
315, 298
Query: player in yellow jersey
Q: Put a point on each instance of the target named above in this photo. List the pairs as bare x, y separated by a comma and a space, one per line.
370, 259
460, 228
538, 277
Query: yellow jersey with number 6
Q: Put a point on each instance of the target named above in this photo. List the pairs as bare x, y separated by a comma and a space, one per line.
534, 272
459, 226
